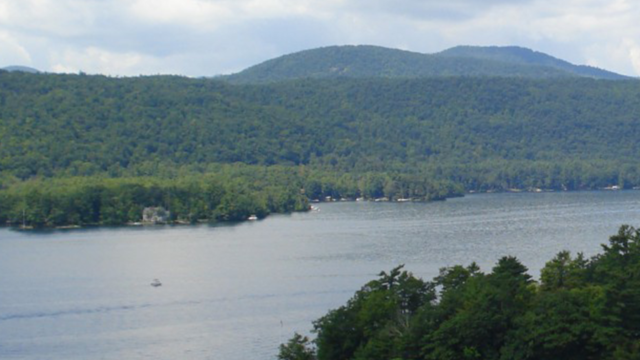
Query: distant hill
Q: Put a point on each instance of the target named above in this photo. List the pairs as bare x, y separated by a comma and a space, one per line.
524, 56
18, 68
366, 61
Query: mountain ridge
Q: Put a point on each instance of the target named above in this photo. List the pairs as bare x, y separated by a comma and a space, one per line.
522, 55
68, 124
20, 68
368, 61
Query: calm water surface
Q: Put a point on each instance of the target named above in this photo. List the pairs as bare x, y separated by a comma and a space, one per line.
236, 292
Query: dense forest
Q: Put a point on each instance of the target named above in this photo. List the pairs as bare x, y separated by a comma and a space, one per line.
101, 201
422, 139
74, 125
219, 193
580, 309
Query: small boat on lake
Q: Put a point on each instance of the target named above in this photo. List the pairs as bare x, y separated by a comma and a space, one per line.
252, 218
156, 283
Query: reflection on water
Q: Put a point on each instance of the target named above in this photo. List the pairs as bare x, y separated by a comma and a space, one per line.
237, 291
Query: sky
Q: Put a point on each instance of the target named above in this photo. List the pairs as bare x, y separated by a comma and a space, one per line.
212, 37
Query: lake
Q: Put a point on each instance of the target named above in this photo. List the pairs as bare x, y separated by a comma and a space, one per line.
235, 292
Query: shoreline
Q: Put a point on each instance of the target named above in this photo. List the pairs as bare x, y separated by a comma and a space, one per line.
310, 209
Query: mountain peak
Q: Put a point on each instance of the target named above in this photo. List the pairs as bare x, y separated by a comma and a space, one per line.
18, 68
369, 61
525, 56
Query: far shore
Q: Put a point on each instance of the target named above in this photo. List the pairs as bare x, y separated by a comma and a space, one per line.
327, 199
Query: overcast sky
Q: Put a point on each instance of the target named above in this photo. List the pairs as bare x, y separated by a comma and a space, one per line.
209, 37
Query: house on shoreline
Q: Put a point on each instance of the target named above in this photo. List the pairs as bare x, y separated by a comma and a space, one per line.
155, 215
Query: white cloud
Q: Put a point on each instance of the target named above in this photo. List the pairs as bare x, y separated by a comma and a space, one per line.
206, 37
51, 18
633, 49
11, 52
210, 14
192, 13
99, 61
593, 32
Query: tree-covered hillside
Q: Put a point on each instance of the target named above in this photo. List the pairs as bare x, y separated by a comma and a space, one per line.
524, 56
230, 193
420, 139
379, 62
485, 133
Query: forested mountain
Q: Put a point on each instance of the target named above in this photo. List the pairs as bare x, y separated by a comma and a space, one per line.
20, 69
423, 139
83, 125
375, 62
524, 56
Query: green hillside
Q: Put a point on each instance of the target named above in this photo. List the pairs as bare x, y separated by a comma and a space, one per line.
484, 133
524, 56
373, 62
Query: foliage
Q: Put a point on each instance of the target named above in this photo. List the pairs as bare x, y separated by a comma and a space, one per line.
298, 348
93, 201
269, 146
215, 193
581, 309
371, 322
420, 135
